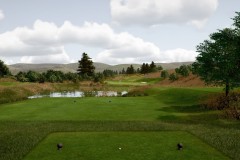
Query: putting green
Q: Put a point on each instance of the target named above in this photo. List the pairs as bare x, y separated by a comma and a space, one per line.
124, 146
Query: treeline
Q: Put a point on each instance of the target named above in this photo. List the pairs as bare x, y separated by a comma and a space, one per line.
144, 69
183, 70
85, 71
58, 76
49, 76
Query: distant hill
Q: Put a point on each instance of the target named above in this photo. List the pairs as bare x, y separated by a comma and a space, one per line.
72, 67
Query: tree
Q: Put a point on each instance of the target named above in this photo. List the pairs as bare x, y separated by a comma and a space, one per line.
32, 76
183, 70
109, 73
159, 68
21, 76
98, 77
130, 70
145, 68
164, 74
54, 76
86, 67
123, 71
4, 69
173, 77
219, 59
153, 67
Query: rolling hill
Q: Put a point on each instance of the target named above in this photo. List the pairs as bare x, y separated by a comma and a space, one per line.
72, 67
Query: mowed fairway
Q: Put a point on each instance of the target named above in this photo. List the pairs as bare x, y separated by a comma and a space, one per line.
173, 103
124, 146
117, 108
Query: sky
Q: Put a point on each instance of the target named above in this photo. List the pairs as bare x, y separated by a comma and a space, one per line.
109, 31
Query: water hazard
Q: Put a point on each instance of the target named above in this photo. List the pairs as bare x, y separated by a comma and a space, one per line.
80, 94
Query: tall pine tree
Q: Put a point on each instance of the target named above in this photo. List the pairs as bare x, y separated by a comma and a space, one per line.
85, 66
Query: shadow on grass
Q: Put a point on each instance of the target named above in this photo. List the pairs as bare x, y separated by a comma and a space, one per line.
201, 118
189, 114
184, 109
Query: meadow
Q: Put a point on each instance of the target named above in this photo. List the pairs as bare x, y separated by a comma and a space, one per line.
93, 127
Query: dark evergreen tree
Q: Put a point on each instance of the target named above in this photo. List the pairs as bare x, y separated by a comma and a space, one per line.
4, 71
86, 67
130, 70
152, 67
123, 71
138, 70
145, 68
109, 73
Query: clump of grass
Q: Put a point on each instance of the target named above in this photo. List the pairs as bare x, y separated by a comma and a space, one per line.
137, 92
22, 91
215, 102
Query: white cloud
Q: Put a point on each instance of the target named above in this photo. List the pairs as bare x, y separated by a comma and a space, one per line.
155, 12
45, 43
178, 55
46, 39
175, 55
1, 15
58, 58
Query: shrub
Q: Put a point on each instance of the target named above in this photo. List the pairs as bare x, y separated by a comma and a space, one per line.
216, 102
173, 77
137, 92
164, 74
229, 104
233, 112
183, 70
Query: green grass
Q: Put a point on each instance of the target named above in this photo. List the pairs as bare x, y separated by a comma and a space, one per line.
9, 83
133, 80
149, 80
160, 105
23, 125
124, 83
124, 145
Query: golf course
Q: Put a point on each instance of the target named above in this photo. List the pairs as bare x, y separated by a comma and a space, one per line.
120, 80
147, 125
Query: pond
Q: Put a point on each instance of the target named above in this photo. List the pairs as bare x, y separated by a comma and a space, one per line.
80, 94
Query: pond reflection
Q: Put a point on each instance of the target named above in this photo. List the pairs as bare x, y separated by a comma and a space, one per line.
81, 94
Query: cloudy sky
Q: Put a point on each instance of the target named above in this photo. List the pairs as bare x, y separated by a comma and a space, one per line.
110, 31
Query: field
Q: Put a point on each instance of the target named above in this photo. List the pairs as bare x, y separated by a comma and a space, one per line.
99, 126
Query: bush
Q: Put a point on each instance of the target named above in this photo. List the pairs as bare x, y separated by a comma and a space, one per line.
229, 104
164, 74
183, 70
173, 77
216, 102
137, 92
98, 77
